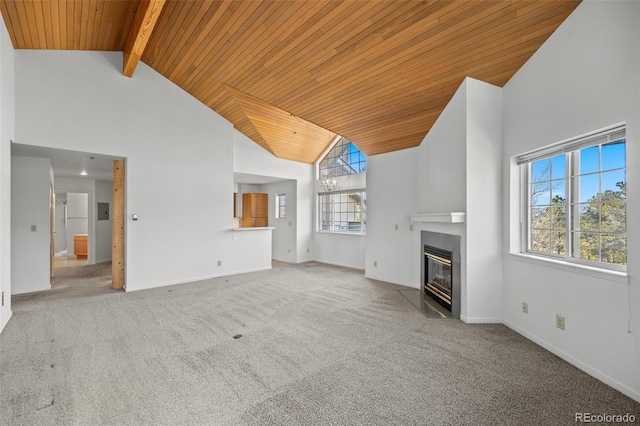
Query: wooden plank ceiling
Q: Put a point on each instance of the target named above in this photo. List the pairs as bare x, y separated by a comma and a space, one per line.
378, 72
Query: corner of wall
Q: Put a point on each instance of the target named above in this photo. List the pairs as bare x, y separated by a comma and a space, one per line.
7, 126
483, 223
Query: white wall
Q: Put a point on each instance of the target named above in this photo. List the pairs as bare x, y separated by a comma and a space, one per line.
585, 77
179, 158
483, 221
284, 235
7, 114
392, 195
30, 192
340, 249
442, 172
77, 218
251, 158
104, 194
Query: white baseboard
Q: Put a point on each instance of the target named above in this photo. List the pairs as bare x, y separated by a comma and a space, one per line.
475, 320
344, 265
129, 288
403, 284
579, 364
6, 321
44, 288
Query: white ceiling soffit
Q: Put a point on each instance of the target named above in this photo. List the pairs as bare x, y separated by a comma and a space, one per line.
70, 163
249, 179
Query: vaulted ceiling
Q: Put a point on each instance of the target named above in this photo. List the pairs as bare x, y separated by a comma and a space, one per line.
292, 74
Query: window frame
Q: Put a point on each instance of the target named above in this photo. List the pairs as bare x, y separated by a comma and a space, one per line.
362, 212
329, 154
281, 207
571, 150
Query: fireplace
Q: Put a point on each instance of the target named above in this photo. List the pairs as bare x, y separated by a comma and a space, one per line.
441, 272
438, 275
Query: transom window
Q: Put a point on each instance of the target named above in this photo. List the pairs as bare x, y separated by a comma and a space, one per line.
343, 159
576, 200
343, 211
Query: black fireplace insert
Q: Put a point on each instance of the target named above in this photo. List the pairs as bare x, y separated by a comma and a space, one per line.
438, 273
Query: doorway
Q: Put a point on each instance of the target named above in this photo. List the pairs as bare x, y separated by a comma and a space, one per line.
71, 232
73, 174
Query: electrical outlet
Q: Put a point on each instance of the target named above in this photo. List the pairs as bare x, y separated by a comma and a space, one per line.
396, 226
375, 263
525, 307
308, 251
289, 250
411, 227
219, 262
560, 322
34, 228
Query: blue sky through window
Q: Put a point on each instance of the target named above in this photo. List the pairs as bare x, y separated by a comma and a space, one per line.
343, 159
601, 169
356, 159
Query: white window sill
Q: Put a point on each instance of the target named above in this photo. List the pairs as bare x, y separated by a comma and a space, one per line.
341, 233
605, 274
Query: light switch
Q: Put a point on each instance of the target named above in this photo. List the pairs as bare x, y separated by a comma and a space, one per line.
134, 217
34, 228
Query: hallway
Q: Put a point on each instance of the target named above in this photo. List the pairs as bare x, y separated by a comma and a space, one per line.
66, 260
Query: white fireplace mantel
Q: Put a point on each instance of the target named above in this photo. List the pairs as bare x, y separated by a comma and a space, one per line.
446, 217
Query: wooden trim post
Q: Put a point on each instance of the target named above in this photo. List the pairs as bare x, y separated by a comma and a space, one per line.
117, 226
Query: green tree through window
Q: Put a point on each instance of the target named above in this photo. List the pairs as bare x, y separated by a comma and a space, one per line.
606, 212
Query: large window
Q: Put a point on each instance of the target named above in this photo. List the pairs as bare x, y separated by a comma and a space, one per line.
343, 159
576, 199
343, 211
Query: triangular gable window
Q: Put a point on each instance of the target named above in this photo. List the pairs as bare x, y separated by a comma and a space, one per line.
343, 159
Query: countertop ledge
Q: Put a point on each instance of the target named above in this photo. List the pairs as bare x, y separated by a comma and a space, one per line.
255, 228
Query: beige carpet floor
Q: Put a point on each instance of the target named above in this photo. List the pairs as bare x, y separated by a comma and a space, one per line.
297, 345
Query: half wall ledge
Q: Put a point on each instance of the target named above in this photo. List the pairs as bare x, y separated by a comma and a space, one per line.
254, 228
447, 217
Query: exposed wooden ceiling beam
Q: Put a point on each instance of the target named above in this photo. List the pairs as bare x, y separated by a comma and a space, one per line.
145, 20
